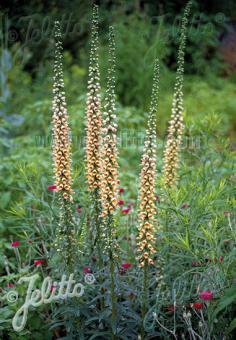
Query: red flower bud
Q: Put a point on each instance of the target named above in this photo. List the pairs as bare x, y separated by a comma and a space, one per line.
15, 244
52, 187
206, 295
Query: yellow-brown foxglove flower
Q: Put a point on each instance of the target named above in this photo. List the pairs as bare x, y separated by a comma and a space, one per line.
61, 131
109, 173
93, 113
175, 129
147, 208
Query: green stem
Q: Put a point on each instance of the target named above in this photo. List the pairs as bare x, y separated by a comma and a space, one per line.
144, 298
97, 241
113, 295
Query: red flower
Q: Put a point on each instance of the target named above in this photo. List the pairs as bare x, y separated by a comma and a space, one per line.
126, 265
86, 270
157, 198
122, 190
185, 206
118, 181
121, 202
198, 305
15, 244
221, 258
38, 262
52, 187
79, 210
10, 285
206, 295
227, 213
125, 211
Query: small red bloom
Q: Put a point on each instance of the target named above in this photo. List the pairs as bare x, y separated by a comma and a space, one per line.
221, 258
126, 265
157, 198
15, 244
198, 305
79, 210
38, 262
52, 187
118, 181
185, 206
206, 295
227, 213
86, 270
122, 190
125, 210
10, 285
121, 202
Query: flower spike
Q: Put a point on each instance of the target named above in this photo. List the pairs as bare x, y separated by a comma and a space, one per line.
109, 179
147, 210
65, 237
175, 129
61, 130
94, 116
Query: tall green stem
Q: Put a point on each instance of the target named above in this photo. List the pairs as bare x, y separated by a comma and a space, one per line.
144, 298
113, 295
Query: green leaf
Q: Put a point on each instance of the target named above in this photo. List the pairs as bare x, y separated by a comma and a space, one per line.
232, 326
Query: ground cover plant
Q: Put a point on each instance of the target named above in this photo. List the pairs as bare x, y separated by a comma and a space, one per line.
142, 226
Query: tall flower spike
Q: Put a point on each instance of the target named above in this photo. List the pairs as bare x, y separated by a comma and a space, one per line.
94, 116
109, 178
61, 131
65, 238
147, 209
175, 129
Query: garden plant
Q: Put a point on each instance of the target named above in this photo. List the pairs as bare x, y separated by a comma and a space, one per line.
107, 236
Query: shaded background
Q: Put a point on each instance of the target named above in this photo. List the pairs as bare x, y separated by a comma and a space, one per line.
144, 29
